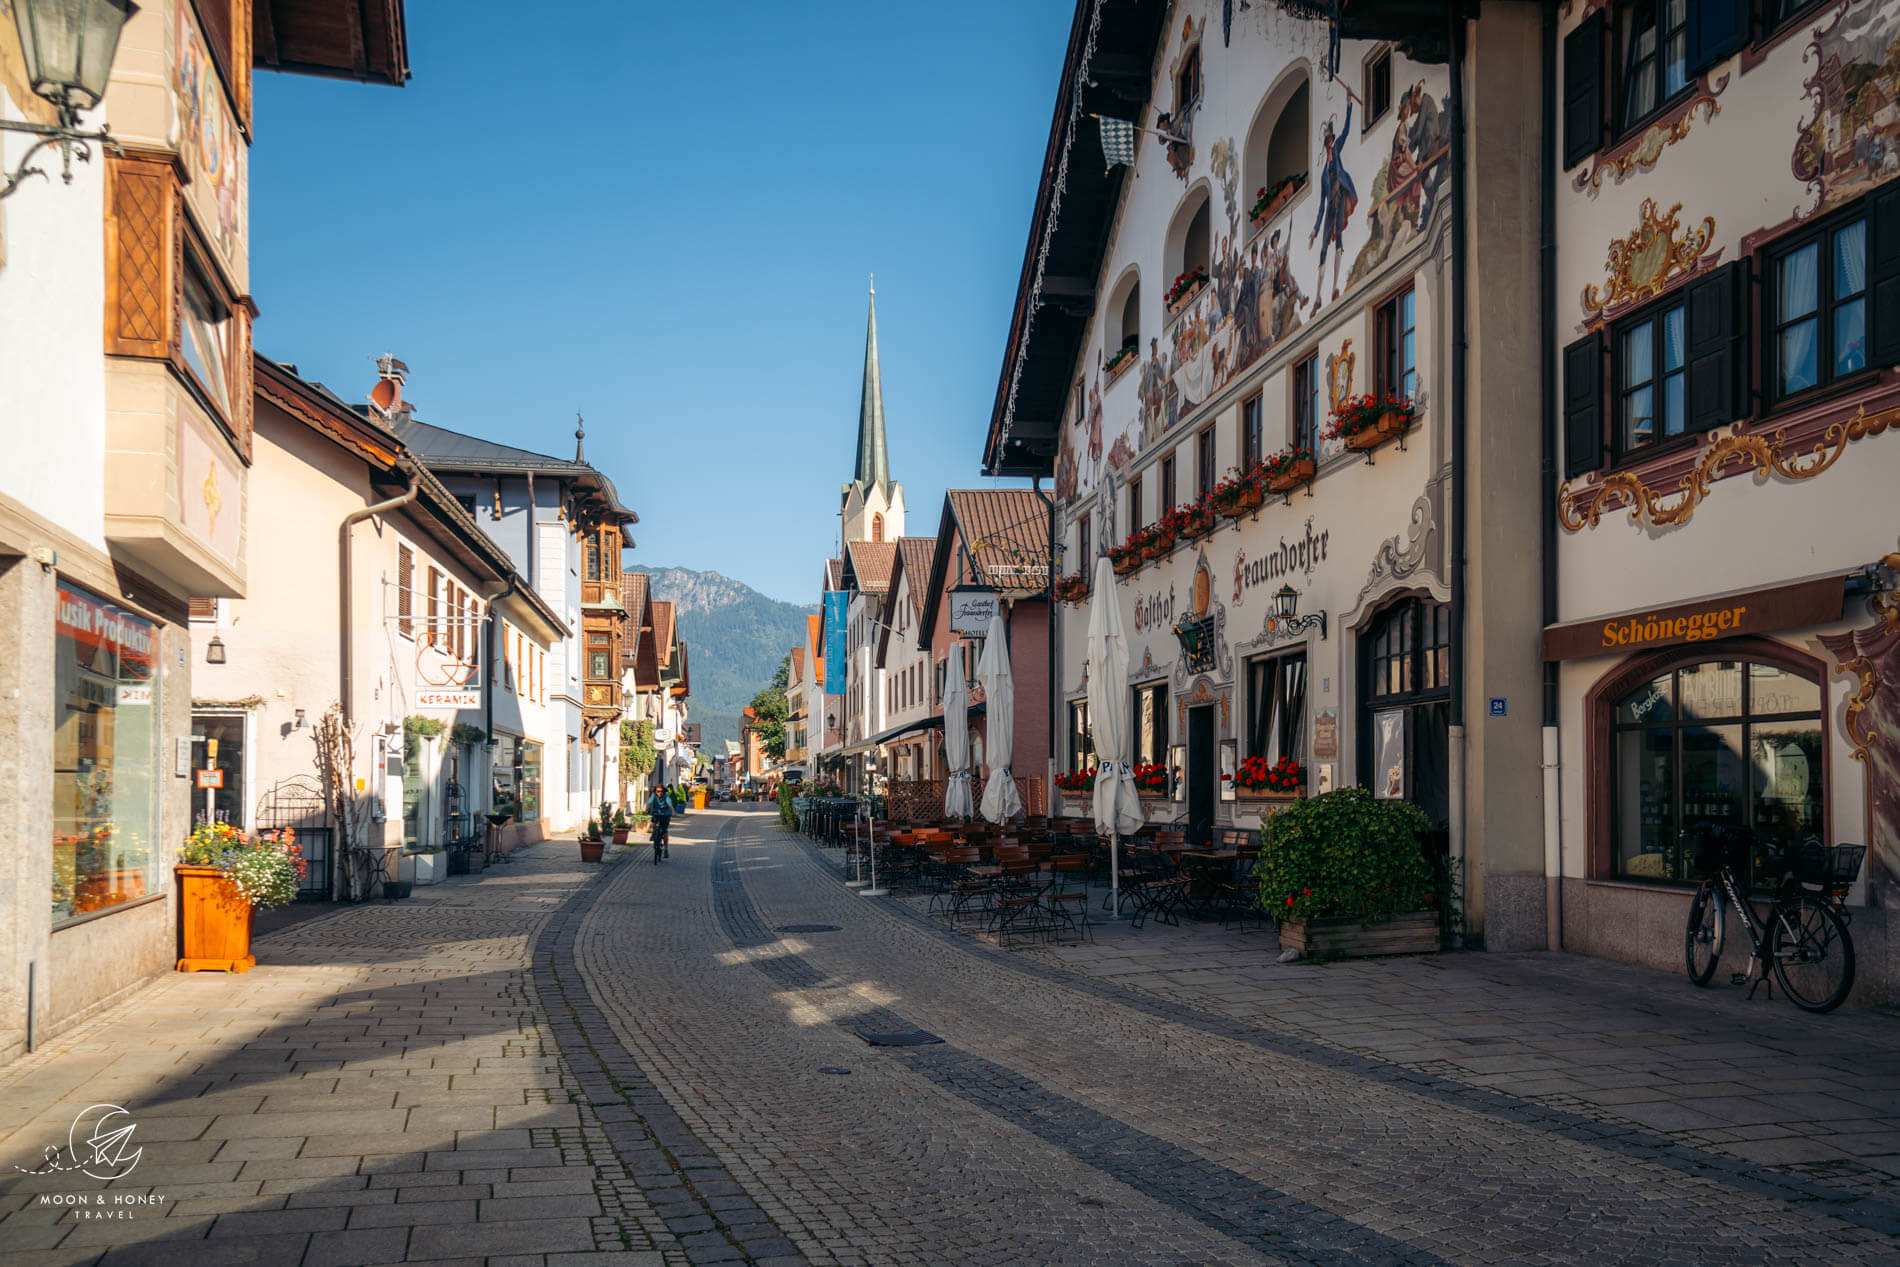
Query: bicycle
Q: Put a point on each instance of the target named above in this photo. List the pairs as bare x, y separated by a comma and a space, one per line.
1804, 939
660, 823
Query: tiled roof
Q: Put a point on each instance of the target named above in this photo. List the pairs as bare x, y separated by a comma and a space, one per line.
914, 561
834, 574
1006, 534
663, 630
798, 666
871, 564
633, 594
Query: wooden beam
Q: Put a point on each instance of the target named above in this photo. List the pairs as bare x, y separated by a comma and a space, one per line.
264, 33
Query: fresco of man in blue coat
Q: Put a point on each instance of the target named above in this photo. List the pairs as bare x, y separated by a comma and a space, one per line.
1337, 201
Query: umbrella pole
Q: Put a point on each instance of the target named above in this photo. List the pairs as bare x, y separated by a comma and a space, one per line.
873, 891
1115, 876
858, 850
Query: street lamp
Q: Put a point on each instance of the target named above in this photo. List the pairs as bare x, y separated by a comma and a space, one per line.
68, 46
1286, 609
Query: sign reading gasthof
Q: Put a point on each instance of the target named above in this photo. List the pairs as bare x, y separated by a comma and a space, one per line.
1724, 616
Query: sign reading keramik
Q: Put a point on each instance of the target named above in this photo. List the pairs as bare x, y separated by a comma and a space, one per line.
1704, 620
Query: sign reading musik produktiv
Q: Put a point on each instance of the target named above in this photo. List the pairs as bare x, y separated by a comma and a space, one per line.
1704, 620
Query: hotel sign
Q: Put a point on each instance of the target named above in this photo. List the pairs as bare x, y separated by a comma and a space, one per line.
1705, 620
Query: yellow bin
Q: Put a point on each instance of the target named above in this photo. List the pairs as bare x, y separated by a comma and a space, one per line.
699, 798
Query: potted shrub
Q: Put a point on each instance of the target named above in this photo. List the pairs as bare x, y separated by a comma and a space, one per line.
1365, 422
1240, 493
223, 875
1151, 780
1258, 779
1184, 287
1343, 873
1073, 588
591, 845
1270, 198
621, 827
1288, 469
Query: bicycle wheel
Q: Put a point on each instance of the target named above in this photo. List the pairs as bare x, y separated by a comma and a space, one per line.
1702, 946
1812, 953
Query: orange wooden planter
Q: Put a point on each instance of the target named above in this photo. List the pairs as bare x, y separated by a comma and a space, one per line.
1244, 502
214, 923
1295, 474
1265, 794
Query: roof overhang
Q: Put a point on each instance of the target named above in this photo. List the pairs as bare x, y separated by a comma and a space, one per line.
365, 40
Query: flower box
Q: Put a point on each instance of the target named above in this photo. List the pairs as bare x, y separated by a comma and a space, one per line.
1120, 362
1412, 934
1266, 794
1241, 501
1271, 200
1389, 427
1124, 560
214, 922
1184, 290
591, 850
1292, 475
1363, 423
1072, 589
1196, 524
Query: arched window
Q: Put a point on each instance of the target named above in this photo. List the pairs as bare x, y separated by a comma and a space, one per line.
1122, 333
1131, 317
1405, 705
1188, 242
1708, 741
1275, 164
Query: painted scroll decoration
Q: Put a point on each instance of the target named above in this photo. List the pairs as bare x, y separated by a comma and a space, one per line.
1657, 255
1619, 164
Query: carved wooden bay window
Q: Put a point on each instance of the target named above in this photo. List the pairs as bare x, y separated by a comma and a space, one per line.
167, 299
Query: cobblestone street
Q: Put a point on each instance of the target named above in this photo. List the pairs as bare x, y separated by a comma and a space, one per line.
552, 1063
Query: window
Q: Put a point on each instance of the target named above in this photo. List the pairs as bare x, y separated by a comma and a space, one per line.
1085, 557
528, 781
1131, 318
1151, 723
1653, 54
202, 609
1204, 462
1279, 146
1397, 346
1378, 86
405, 582
1187, 81
1187, 247
1306, 403
205, 339
1405, 702
599, 664
591, 553
1818, 289
1276, 706
1712, 742
877, 527
106, 696
1134, 505
1651, 366
1081, 738
1194, 242
1167, 485
1250, 412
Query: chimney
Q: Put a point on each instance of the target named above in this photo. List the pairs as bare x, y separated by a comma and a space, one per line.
386, 395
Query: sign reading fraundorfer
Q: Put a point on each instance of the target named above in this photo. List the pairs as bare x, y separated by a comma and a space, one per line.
971, 611
1793, 606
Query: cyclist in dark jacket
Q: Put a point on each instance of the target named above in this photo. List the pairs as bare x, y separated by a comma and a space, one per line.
660, 808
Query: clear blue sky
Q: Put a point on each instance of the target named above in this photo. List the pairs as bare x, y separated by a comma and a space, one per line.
664, 216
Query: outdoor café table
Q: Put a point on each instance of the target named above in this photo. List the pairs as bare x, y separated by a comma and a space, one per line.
1205, 869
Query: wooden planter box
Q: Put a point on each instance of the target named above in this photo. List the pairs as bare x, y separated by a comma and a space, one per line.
1157, 549
1123, 566
214, 923
1187, 296
1265, 794
1244, 504
1413, 934
1300, 472
1388, 428
1199, 527
1119, 367
1280, 200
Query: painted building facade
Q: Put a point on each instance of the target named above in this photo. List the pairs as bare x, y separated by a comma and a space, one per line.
911, 710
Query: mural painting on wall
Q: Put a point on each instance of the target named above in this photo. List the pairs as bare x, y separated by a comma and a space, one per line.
1852, 141
1176, 127
1406, 188
211, 143
1338, 199
1870, 657
1658, 255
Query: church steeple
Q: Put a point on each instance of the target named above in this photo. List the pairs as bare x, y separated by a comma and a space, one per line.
874, 463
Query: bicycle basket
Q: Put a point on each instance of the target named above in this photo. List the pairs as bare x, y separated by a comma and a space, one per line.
1832, 869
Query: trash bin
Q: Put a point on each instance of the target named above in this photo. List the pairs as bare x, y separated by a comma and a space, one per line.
699, 798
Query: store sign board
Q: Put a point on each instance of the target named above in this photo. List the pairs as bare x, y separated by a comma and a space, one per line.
972, 610
448, 699
1705, 620
837, 619
210, 778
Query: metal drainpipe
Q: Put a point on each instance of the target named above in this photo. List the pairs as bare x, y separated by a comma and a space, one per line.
1050, 670
1547, 303
1459, 340
346, 620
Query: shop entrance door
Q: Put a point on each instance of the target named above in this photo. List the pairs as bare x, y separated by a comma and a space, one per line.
225, 803
1201, 775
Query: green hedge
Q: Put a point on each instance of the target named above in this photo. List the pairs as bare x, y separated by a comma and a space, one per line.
786, 813
1345, 854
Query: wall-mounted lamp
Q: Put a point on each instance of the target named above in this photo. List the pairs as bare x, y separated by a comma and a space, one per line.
214, 651
1286, 611
68, 46
299, 725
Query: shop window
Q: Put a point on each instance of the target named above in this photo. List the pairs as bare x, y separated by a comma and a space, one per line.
1378, 86
1831, 293
1306, 404
1250, 437
1405, 702
1396, 336
1081, 737
1167, 486
1276, 706
105, 843
1151, 723
1204, 462
1712, 742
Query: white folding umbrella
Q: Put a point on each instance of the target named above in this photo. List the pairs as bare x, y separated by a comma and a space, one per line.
1117, 803
1000, 799
956, 738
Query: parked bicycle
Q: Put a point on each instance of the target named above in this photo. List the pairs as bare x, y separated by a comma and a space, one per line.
1804, 938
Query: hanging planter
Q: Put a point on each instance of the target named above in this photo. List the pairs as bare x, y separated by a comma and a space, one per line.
1290, 468
1241, 493
1124, 357
1363, 423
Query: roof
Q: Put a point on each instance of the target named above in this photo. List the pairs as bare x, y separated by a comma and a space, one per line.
913, 560
869, 564
448, 450
1002, 534
363, 40
1062, 262
634, 588
662, 630
834, 574
797, 671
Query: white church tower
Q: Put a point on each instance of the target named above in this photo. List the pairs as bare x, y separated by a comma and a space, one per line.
873, 502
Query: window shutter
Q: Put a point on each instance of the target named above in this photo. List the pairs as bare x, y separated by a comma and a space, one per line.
1583, 89
204, 609
1883, 275
405, 583
1716, 29
1583, 405
1715, 345
434, 611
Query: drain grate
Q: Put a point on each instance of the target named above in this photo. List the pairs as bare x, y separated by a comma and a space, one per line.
902, 1038
806, 928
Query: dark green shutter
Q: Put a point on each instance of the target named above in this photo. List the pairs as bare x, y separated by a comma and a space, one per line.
1717, 28
1883, 276
1583, 405
1715, 344
1583, 89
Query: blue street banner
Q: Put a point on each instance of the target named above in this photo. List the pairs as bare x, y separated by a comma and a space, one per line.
836, 602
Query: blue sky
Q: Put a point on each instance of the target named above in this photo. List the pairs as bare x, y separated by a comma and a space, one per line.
664, 217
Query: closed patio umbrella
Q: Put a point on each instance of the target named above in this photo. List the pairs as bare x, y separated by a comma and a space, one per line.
956, 739
1117, 803
1001, 802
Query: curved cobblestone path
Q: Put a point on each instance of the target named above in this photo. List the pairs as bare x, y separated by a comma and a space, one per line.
1065, 1120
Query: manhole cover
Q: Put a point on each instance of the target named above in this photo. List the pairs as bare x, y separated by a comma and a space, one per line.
902, 1038
838, 1069
806, 928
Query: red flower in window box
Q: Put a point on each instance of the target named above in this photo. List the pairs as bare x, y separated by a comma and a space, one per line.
1260, 779
1151, 779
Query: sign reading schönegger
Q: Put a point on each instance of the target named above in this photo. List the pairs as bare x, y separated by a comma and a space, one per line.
1724, 616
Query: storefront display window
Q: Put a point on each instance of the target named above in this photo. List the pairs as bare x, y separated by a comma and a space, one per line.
502, 787
1276, 706
1151, 723
1713, 742
528, 780
1405, 718
105, 756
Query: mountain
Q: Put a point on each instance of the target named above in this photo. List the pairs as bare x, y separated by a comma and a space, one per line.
736, 637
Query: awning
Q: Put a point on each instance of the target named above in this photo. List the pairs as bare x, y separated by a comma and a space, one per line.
908, 728
1817, 601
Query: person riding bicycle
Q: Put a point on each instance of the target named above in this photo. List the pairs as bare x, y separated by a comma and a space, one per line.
660, 809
